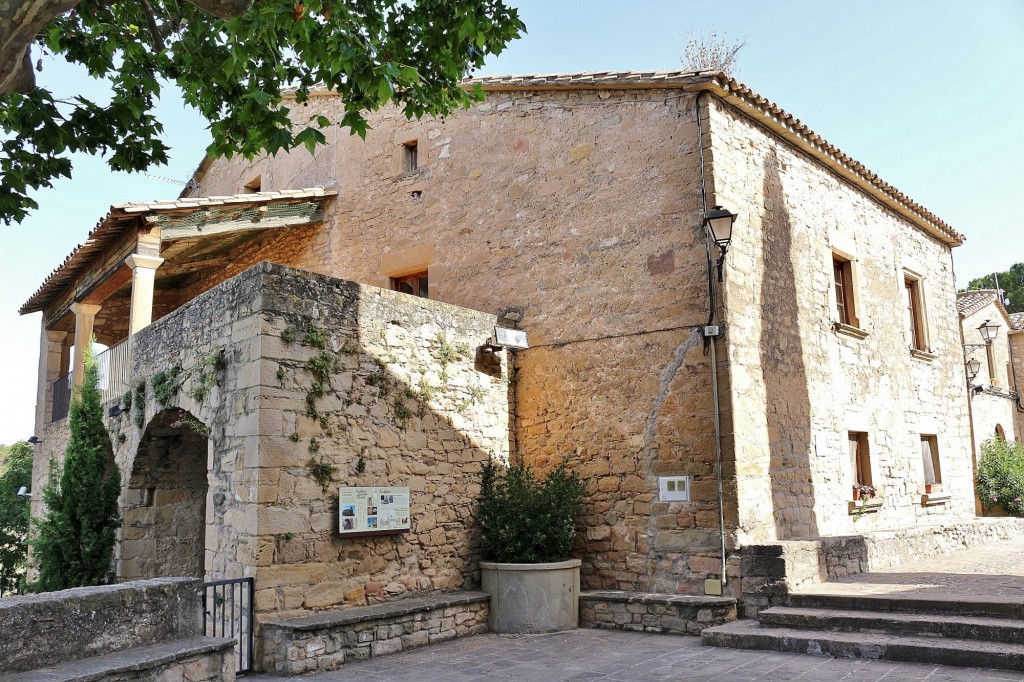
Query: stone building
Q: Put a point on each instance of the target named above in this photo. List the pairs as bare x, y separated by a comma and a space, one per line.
571, 206
993, 348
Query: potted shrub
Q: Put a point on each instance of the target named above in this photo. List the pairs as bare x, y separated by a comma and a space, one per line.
527, 529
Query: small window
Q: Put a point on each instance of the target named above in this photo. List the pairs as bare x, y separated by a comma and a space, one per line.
914, 313
254, 185
860, 458
416, 284
930, 460
410, 156
842, 271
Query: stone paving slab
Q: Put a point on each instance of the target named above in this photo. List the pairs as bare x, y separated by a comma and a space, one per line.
619, 656
993, 572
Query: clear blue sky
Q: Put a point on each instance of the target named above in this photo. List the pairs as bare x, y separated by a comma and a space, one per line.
926, 93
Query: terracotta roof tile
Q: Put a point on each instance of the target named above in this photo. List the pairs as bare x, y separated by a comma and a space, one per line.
1017, 320
122, 216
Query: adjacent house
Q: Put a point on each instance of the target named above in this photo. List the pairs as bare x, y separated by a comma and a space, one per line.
713, 404
992, 350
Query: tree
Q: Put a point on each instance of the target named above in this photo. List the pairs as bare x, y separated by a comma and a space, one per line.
710, 53
75, 540
232, 67
1011, 282
14, 516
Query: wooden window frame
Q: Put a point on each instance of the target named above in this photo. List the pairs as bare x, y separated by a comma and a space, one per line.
410, 156
842, 281
860, 459
915, 318
933, 467
414, 284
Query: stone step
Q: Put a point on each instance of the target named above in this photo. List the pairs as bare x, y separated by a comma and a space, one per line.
749, 634
969, 606
1009, 630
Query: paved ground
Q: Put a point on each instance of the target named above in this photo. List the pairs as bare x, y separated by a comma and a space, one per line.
989, 573
620, 656
984, 573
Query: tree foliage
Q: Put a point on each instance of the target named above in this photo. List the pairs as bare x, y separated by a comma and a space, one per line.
75, 539
710, 52
14, 517
1011, 282
233, 71
526, 521
1001, 475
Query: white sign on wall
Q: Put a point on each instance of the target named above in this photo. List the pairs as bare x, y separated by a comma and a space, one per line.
373, 511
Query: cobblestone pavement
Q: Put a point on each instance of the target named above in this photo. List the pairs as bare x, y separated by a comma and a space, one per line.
620, 656
992, 572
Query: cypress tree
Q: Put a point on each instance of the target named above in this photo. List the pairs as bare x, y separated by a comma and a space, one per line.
75, 541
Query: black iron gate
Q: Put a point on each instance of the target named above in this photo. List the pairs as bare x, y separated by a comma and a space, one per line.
227, 612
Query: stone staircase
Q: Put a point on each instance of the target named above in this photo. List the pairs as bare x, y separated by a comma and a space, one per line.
965, 630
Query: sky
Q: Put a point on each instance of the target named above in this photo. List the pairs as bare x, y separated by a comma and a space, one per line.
925, 93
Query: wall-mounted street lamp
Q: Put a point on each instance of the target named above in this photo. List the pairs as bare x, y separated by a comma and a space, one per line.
719, 222
988, 331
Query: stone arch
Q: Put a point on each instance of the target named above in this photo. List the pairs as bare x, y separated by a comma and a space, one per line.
1000, 432
164, 514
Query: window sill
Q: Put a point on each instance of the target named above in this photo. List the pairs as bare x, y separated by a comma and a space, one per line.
858, 507
922, 354
934, 499
849, 330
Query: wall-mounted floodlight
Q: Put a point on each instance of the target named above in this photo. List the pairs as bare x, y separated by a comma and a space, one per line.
34, 440
510, 338
23, 491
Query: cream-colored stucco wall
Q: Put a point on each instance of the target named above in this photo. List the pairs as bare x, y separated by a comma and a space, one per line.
991, 408
799, 385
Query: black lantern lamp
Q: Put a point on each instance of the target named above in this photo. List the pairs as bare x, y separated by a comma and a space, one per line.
973, 367
719, 222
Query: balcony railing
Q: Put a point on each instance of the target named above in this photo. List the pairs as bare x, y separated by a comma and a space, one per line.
60, 390
114, 365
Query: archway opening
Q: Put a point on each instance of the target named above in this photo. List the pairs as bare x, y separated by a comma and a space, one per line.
164, 517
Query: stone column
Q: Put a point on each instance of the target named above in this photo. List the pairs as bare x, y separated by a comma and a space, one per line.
51, 350
143, 277
85, 316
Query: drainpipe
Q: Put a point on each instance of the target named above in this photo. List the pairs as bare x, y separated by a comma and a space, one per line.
710, 342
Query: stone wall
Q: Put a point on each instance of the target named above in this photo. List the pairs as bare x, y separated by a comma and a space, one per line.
770, 572
798, 384
328, 641
575, 215
1017, 375
660, 613
55, 627
412, 400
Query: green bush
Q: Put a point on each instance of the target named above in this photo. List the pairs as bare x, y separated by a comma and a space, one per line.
526, 521
1001, 475
14, 516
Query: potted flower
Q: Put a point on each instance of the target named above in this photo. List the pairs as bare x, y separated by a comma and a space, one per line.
527, 529
863, 492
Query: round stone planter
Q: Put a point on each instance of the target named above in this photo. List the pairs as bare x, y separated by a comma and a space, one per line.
532, 598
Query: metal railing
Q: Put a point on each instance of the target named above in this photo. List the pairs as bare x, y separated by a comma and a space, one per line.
228, 612
60, 396
114, 365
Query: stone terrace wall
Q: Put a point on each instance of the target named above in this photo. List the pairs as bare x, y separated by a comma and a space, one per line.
410, 401
797, 385
576, 214
51, 628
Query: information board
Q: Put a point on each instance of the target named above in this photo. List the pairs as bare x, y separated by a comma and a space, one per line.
373, 511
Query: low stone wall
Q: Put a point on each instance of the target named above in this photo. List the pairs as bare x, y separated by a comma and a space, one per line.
54, 627
771, 572
666, 613
328, 640
200, 659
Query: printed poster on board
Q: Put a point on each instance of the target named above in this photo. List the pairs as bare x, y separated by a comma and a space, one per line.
373, 511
